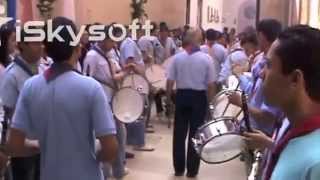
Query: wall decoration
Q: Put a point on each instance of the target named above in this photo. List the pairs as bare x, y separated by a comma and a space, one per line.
213, 15
138, 9
45, 8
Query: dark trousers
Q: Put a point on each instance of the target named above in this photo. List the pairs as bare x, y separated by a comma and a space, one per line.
26, 168
158, 100
190, 113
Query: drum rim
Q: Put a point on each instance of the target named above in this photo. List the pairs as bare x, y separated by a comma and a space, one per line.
223, 92
142, 76
217, 162
146, 77
112, 100
230, 133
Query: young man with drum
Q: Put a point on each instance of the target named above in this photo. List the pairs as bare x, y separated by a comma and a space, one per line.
100, 64
131, 59
292, 84
24, 66
194, 73
66, 130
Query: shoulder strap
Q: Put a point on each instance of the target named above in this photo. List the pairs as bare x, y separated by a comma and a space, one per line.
23, 66
113, 85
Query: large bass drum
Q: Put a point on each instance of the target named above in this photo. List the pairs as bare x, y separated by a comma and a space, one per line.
219, 141
127, 105
137, 82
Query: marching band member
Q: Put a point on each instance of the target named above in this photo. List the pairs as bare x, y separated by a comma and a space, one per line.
262, 116
131, 59
103, 66
215, 50
194, 73
166, 48
291, 83
24, 66
66, 129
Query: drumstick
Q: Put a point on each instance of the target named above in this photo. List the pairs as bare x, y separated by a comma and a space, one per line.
225, 110
245, 111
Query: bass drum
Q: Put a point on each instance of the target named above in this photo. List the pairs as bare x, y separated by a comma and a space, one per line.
137, 82
156, 76
127, 105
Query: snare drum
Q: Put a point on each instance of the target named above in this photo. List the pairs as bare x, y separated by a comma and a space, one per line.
137, 82
156, 76
127, 105
221, 107
219, 141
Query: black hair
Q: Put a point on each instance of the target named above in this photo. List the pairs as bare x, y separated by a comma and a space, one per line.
164, 28
60, 51
271, 28
249, 37
211, 35
154, 27
5, 32
299, 48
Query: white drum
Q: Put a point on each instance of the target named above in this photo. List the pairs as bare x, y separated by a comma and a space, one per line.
127, 105
137, 82
156, 76
233, 83
219, 141
221, 107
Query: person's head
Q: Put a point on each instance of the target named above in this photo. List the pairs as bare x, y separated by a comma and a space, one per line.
154, 29
191, 38
268, 30
30, 51
107, 44
211, 35
85, 38
8, 42
225, 30
63, 52
164, 32
249, 43
222, 39
293, 69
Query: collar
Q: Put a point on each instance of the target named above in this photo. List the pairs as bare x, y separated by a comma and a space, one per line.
306, 126
56, 70
24, 65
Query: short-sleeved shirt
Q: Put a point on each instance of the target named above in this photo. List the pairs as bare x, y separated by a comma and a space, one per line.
130, 49
300, 160
164, 52
145, 45
65, 115
192, 71
13, 80
218, 51
96, 66
237, 57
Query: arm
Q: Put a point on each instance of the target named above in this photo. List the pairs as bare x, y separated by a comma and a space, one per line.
19, 146
258, 140
104, 126
212, 91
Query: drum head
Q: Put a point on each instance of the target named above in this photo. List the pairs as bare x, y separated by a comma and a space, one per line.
222, 107
136, 82
127, 105
156, 76
222, 148
220, 141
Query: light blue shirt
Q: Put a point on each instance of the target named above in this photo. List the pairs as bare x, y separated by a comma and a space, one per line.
237, 57
13, 80
220, 53
192, 71
130, 49
65, 115
300, 160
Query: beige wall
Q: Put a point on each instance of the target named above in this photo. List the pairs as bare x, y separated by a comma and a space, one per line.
278, 9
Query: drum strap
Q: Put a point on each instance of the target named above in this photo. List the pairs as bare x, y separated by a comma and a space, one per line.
112, 85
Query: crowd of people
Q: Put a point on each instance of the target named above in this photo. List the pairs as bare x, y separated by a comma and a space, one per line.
57, 98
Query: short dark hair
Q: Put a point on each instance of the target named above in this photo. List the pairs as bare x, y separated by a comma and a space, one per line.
211, 34
299, 48
271, 28
154, 27
5, 32
249, 37
60, 51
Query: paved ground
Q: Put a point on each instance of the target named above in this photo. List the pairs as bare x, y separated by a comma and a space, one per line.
157, 165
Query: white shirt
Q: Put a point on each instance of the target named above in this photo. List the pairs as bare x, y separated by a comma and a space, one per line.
164, 52
96, 66
130, 49
192, 71
217, 52
146, 45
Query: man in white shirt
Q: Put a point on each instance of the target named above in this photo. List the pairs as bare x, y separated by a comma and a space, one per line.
167, 46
